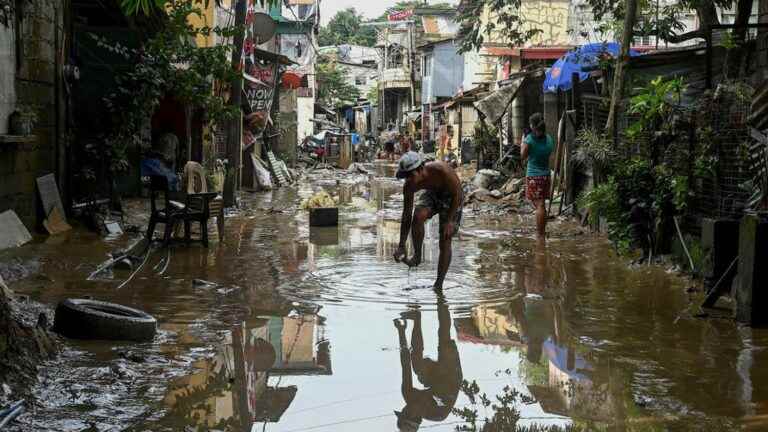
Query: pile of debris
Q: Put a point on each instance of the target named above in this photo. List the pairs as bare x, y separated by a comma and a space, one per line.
492, 187
25, 340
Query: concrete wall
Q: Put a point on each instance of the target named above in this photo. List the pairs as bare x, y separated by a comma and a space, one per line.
549, 16
288, 120
34, 84
7, 75
362, 77
306, 111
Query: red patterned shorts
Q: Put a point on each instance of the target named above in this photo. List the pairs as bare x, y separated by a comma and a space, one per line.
537, 188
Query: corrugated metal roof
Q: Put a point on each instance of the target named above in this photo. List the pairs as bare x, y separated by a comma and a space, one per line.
759, 112
442, 25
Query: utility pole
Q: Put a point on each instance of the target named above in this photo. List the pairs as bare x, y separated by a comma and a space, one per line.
384, 81
235, 129
411, 61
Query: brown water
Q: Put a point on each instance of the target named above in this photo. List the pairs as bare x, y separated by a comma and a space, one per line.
294, 331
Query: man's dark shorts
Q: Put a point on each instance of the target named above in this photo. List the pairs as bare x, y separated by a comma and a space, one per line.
440, 203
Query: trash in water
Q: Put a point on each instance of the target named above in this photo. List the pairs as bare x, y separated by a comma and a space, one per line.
319, 200
201, 283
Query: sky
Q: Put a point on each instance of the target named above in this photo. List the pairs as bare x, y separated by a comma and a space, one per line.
369, 8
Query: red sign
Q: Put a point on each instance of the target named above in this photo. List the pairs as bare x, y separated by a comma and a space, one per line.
401, 15
264, 73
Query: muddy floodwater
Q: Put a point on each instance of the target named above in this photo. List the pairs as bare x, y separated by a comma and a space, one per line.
279, 327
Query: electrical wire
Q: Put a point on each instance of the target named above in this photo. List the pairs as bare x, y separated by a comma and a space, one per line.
146, 258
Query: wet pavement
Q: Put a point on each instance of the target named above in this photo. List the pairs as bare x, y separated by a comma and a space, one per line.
278, 327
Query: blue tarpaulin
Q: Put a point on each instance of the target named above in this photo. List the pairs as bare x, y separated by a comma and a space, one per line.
580, 60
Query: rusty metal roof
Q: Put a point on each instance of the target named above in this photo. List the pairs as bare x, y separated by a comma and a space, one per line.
441, 25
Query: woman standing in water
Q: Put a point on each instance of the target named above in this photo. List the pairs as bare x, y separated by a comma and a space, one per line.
536, 147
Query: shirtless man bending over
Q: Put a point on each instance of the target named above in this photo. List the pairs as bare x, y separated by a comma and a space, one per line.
439, 192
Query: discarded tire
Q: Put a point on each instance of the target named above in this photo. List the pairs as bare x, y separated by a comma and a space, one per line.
91, 319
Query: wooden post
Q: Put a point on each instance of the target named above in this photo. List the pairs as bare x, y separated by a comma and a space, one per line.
235, 129
576, 103
753, 274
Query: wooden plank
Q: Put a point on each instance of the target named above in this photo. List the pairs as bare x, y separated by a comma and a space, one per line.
13, 139
12, 232
49, 194
55, 223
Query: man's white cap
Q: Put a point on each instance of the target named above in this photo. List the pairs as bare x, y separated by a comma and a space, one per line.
408, 162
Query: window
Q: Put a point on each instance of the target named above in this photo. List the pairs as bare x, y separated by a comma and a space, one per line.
427, 66
395, 57
360, 80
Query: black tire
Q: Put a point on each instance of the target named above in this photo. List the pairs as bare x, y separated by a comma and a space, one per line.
91, 319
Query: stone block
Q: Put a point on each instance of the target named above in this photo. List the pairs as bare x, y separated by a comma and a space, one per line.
751, 288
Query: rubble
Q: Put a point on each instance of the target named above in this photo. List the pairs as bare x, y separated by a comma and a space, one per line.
486, 178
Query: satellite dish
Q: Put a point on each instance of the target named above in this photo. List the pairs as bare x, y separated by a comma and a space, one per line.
264, 27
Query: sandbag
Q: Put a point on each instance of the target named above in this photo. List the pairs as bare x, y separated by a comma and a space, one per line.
261, 173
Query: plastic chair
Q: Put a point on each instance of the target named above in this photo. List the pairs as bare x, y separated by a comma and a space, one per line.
167, 214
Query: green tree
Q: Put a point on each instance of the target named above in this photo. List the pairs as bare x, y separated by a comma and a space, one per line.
168, 63
134, 7
346, 28
509, 24
333, 87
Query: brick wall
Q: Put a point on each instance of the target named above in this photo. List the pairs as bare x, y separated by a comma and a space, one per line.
33, 84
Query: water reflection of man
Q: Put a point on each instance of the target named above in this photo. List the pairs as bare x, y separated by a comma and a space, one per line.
440, 378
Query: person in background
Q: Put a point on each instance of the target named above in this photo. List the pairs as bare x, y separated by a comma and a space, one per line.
445, 141
406, 143
159, 161
536, 148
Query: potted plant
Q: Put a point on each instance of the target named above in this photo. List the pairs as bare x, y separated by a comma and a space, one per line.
23, 120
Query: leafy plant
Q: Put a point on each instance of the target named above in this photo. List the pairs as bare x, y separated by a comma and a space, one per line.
680, 193
706, 160
499, 414
654, 103
636, 202
603, 201
373, 96
594, 150
333, 86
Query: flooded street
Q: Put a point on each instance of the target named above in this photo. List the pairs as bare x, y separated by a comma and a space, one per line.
281, 328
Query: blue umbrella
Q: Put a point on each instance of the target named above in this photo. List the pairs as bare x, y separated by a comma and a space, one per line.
580, 60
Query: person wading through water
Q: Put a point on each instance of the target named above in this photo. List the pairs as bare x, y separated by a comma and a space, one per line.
536, 148
439, 192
